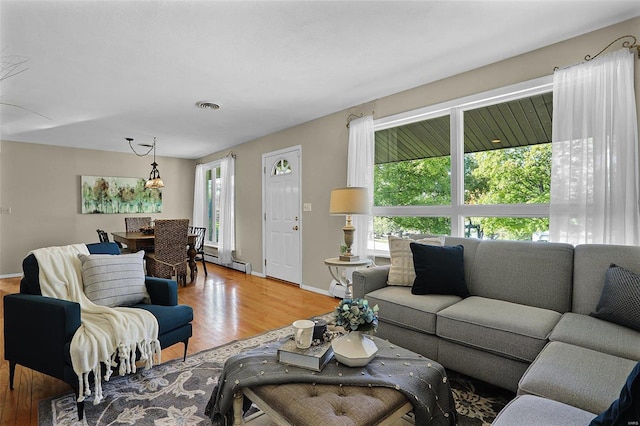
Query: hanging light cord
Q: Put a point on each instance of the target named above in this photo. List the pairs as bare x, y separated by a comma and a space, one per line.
145, 145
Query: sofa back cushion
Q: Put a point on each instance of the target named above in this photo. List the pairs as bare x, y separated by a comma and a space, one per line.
591, 263
530, 273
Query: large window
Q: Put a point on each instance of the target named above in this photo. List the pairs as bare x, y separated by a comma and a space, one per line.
212, 189
475, 167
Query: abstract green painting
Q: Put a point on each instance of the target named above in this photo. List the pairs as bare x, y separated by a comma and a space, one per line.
118, 195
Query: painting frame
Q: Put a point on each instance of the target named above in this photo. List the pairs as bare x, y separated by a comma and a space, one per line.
118, 195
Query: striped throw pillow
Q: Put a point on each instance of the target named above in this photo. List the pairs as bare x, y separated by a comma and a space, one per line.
402, 271
114, 280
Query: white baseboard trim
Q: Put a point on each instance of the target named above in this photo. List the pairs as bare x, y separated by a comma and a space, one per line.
10, 275
258, 274
315, 290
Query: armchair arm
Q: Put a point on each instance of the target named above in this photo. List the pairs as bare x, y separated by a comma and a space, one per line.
367, 280
162, 291
37, 330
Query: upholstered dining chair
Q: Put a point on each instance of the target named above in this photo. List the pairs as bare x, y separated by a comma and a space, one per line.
199, 245
134, 224
170, 256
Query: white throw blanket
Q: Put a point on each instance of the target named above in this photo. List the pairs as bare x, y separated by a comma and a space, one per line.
108, 336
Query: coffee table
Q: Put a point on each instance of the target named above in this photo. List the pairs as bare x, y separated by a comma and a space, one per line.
329, 401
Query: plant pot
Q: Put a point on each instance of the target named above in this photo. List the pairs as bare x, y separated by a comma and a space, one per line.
354, 349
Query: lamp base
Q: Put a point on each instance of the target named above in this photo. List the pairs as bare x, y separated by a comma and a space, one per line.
349, 258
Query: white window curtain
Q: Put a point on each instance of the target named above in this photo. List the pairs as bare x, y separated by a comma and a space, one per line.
594, 181
360, 173
199, 197
227, 242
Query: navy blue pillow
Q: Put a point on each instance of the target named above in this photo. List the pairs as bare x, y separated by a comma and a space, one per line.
439, 270
626, 409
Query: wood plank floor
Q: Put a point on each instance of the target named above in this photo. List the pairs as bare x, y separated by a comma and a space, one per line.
227, 305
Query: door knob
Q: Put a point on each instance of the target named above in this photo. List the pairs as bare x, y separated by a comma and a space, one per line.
295, 228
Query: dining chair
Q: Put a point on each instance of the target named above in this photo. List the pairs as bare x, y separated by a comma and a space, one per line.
169, 259
199, 245
103, 237
134, 224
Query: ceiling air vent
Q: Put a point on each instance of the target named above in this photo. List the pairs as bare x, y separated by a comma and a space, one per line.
207, 105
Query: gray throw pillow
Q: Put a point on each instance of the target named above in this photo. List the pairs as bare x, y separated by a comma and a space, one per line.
114, 280
620, 298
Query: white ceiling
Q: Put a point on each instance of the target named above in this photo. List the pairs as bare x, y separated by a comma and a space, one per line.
100, 71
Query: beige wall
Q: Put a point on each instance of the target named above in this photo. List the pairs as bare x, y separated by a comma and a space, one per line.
324, 146
50, 214
41, 184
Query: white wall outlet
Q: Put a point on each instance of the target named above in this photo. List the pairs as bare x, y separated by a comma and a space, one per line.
306, 207
5, 210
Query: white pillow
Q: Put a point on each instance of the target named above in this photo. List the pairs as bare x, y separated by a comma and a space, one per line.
402, 271
114, 280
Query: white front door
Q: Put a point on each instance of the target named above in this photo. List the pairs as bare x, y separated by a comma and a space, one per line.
282, 224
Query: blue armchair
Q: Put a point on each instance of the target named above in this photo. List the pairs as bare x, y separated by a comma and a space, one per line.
33, 322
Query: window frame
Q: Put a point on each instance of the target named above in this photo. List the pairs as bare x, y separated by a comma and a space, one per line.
212, 167
456, 108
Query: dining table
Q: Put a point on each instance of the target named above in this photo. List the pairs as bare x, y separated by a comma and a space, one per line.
136, 241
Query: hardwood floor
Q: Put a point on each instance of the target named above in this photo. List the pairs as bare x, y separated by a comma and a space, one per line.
228, 305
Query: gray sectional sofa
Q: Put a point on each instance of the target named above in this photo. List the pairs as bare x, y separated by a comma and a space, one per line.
525, 326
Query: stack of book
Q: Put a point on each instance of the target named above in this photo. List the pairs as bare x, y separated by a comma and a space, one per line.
313, 358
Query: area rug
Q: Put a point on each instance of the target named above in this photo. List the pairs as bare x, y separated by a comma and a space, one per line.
176, 393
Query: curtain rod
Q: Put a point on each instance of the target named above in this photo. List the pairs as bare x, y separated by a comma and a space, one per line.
627, 43
352, 117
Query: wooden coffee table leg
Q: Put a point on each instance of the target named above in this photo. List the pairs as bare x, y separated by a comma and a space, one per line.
238, 399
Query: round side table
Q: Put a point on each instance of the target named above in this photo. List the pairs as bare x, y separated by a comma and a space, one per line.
334, 264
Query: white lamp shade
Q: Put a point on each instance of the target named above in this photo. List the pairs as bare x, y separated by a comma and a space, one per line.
350, 200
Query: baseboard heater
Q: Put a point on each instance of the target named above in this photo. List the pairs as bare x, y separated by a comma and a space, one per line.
238, 265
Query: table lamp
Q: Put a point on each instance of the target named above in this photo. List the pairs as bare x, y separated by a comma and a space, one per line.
349, 201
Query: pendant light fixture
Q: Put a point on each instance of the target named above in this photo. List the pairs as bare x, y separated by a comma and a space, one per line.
155, 181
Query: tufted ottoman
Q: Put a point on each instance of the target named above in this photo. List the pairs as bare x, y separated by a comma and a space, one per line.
312, 404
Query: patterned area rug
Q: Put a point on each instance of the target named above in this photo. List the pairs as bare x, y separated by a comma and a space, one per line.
176, 393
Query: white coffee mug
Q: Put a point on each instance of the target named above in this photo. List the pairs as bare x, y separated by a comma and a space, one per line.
303, 333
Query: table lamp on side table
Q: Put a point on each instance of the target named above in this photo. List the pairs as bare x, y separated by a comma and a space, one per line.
349, 201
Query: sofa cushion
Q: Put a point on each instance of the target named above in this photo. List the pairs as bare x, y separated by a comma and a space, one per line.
505, 328
529, 273
591, 262
584, 378
529, 410
402, 270
592, 333
103, 248
439, 270
626, 409
620, 299
114, 280
398, 306
169, 317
